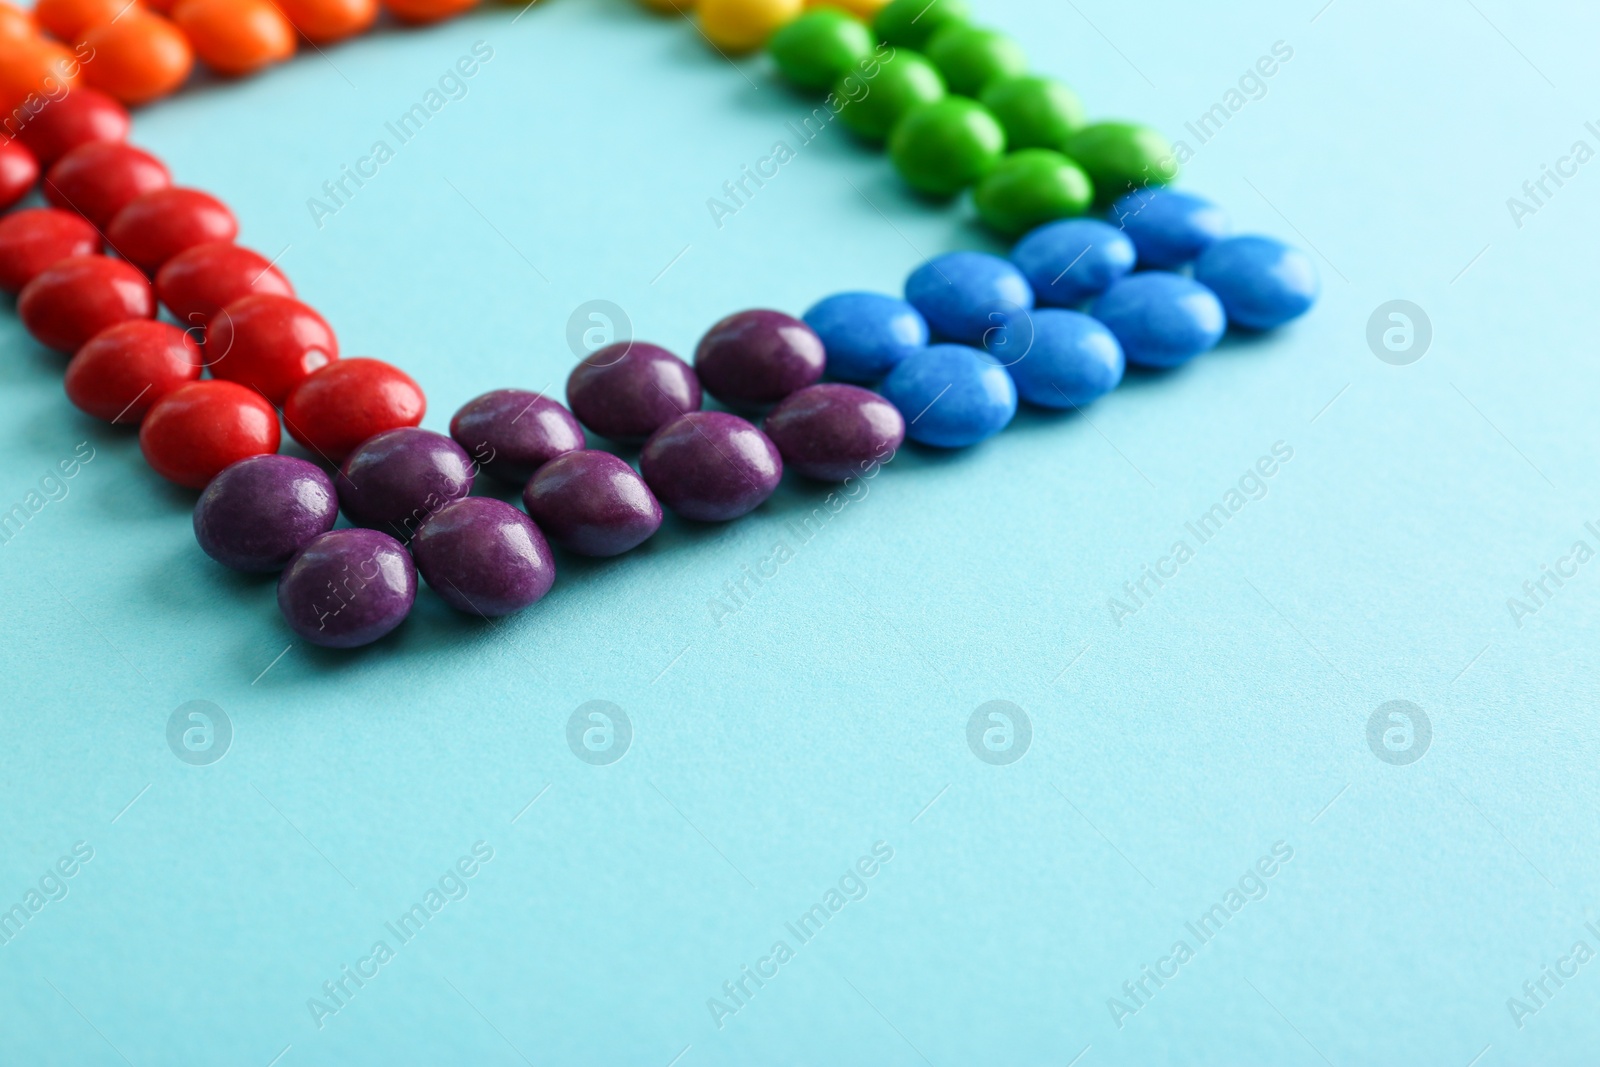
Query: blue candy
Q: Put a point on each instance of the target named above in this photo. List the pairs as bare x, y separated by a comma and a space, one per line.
1161, 319
1262, 283
866, 335
951, 395
1068, 262
1066, 359
1168, 228
963, 295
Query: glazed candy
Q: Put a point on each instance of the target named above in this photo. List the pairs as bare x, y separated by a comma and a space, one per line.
348, 401
833, 432
866, 335
328, 21
98, 180
19, 171
1161, 319
236, 37
74, 299
483, 557
1169, 228
257, 513
744, 25
269, 342
139, 57
1035, 112
1121, 157
36, 238
511, 433
592, 503
196, 431
963, 295
629, 390
941, 148
1070, 261
820, 47
120, 373
347, 588
710, 466
1032, 187
910, 23
394, 481
195, 284
754, 358
952, 396
158, 225
1262, 283
905, 82
83, 116
972, 58
1069, 360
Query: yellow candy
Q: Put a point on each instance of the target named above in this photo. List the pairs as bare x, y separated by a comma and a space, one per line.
669, 7
745, 25
865, 10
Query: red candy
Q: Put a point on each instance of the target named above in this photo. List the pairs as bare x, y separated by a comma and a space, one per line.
83, 116
160, 224
270, 343
196, 284
347, 402
100, 179
196, 430
37, 238
18, 171
70, 302
122, 371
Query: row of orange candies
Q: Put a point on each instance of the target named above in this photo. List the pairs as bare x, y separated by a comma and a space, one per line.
142, 50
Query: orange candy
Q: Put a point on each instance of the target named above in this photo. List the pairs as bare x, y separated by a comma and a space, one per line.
16, 24
422, 11
138, 58
327, 21
236, 37
69, 20
32, 73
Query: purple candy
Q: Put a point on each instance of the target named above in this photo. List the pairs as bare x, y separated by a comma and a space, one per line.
710, 466
754, 358
260, 511
629, 390
834, 432
347, 588
511, 432
592, 503
483, 556
396, 479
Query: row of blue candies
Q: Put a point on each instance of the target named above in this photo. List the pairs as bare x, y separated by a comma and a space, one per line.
1010, 327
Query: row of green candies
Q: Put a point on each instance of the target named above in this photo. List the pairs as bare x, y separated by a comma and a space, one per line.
951, 98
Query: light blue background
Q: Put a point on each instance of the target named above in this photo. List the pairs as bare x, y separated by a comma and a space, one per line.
1169, 753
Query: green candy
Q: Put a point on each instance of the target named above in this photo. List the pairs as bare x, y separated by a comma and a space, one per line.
970, 57
873, 106
909, 23
1032, 187
941, 148
1121, 157
820, 47
1037, 112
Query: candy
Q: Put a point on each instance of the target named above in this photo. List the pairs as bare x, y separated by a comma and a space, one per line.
158, 225
348, 401
511, 433
1067, 359
484, 557
196, 431
1031, 187
72, 300
137, 58
1121, 156
971, 57
83, 116
1035, 112
100, 179
120, 373
16, 24
910, 23
866, 335
710, 466
197, 283
1161, 319
943, 147
236, 37
67, 19
820, 47
269, 342
18, 171
754, 358
1262, 283
835, 432
422, 12
347, 588
744, 25
629, 390
36, 238
904, 82
329, 21
963, 295
395, 480
1169, 229
35, 70
592, 503
1070, 261
952, 396
259, 512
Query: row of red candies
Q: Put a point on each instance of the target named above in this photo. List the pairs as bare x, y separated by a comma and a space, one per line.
236, 313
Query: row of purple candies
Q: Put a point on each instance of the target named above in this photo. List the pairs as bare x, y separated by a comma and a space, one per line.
410, 487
